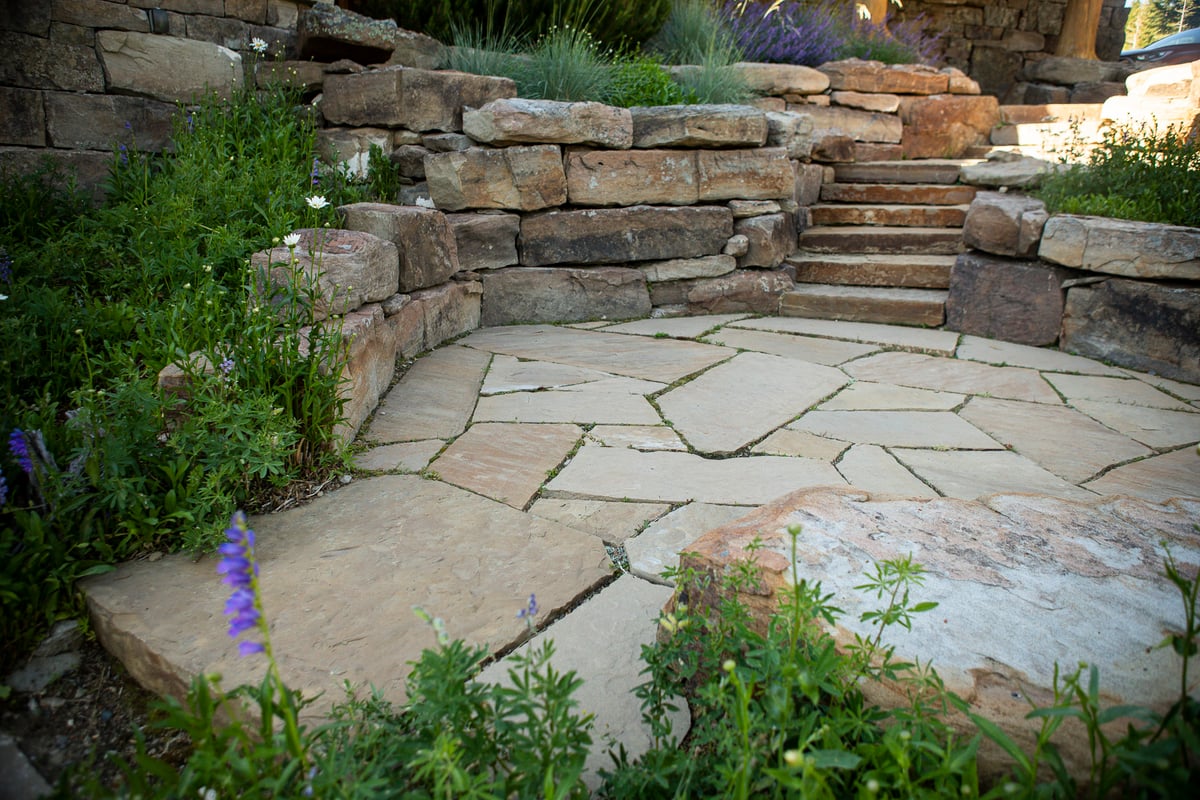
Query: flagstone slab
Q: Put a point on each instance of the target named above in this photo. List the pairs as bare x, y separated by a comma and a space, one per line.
991, 351
622, 474
1127, 391
618, 384
951, 375
866, 396
509, 374
829, 352
1188, 391
1157, 478
507, 462
339, 579
1156, 427
924, 339
896, 428
675, 327
1068, 443
789, 442
612, 521
408, 456
433, 400
742, 400
871, 468
657, 548
638, 437
968, 474
613, 407
601, 641
663, 360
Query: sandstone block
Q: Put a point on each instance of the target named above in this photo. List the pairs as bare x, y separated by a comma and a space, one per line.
485, 241
1003, 168
809, 178
447, 311
249, 10
946, 125
737, 246
100, 14
772, 238
524, 178
856, 75
563, 294
752, 291
327, 33
423, 237
349, 268
861, 126
22, 117
31, 18
519, 120
166, 68
1122, 247
417, 50
614, 236
225, 31
781, 79
1005, 224
866, 101
959, 82
370, 365
834, 149
1070, 71
1157, 113
1145, 326
29, 63
417, 99
677, 269
698, 126
350, 148
791, 131
631, 177
1013, 301
1171, 81
761, 174
98, 122
446, 142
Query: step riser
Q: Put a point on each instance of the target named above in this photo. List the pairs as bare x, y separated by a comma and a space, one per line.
884, 311
898, 172
931, 276
899, 216
906, 194
913, 242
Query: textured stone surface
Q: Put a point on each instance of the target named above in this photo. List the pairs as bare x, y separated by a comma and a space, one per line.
865, 396
871, 468
98, 122
861, 126
1155, 427
406, 456
433, 400
1106, 389
1008, 169
29, 63
793, 132
947, 125
166, 68
614, 236
507, 462
613, 522
788, 442
939, 429
1158, 478
772, 238
975, 348
375, 535
1005, 224
369, 368
22, 117
657, 548
349, 267
676, 327
969, 474
698, 126
750, 290
905, 338
423, 237
682, 268
563, 294
803, 348
781, 79
326, 33
509, 374
1021, 565
866, 101
761, 174
349, 149
420, 100
857, 75
448, 310
949, 375
637, 437
1122, 247
630, 177
1012, 300
1138, 324
518, 120
524, 178
485, 241
608, 402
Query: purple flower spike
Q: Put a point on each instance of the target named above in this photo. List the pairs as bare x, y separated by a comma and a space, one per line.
18, 445
240, 570
3, 491
250, 648
530, 610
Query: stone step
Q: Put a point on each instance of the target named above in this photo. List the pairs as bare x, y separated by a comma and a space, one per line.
1050, 112
1045, 134
874, 269
904, 216
926, 170
891, 306
912, 193
880, 239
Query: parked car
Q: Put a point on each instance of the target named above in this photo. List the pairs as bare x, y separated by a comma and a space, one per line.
1178, 48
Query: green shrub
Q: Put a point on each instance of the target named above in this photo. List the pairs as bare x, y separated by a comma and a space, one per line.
694, 33
566, 64
638, 80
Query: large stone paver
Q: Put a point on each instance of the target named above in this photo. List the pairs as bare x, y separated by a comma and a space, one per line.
871, 468
611, 407
657, 548
618, 473
896, 428
1157, 427
509, 374
829, 352
1187, 391
635, 356
675, 327
1068, 443
1127, 391
1159, 478
506, 461
789, 442
408, 456
990, 351
951, 375
638, 437
601, 641
867, 396
735, 403
339, 578
967, 474
433, 400
612, 521
933, 341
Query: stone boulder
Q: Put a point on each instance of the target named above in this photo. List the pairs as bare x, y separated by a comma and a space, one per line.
947, 125
518, 120
1171, 81
764, 173
369, 368
1012, 170
328, 33
866, 101
1142, 325
563, 294
1122, 247
1156, 113
523, 178
752, 291
418, 50
1090, 572
97, 122
791, 131
618, 235
349, 149
861, 126
1070, 71
1006, 299
167, 68
1005, 224
677, 269
771, 237
856, 75
349, 268
423, 237
698, 126
403, 97
631, 177
485, 241
780, 79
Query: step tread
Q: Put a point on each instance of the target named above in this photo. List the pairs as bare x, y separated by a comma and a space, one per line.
932, 194
1050, 112
879, 231
851, 259
916, 295
905, 215
880, 239
918, 271
887, 305
931, 170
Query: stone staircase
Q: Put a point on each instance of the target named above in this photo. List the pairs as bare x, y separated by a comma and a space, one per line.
883, 240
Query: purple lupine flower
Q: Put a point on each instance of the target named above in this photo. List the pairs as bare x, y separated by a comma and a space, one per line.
529, 611
226, 366
18, 445
124, 156
3, 491
191, 123
316, 171
5, 266
240, 569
